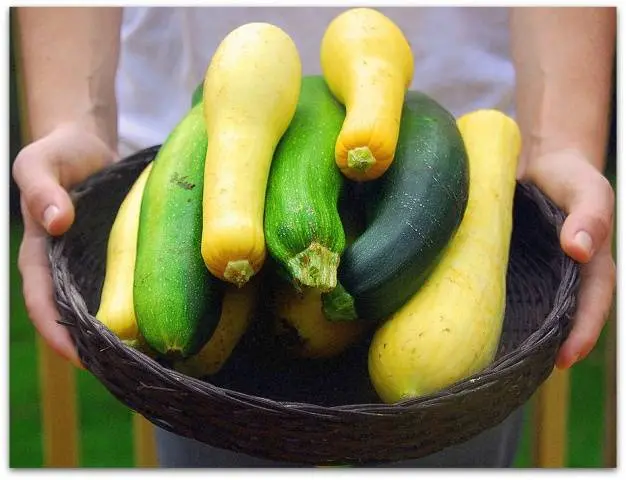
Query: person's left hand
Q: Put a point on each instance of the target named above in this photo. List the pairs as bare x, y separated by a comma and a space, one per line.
587, 198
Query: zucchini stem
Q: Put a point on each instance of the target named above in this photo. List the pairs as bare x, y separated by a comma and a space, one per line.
338, 305
238, 272
361, 158
316, 267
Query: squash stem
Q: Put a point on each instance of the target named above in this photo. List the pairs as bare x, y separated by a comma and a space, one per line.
338, 305
316, 267
238, 272
361, 158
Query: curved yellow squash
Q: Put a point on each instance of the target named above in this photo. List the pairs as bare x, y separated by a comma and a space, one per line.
116, 310
237, 313
368, 65
451, 327
251, 91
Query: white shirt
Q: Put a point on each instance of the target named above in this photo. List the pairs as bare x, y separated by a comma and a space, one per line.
461, 57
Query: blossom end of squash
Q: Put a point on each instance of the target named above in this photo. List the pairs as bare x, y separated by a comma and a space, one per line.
361, 159
238, 272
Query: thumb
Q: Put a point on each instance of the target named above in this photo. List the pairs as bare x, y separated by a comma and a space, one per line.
585, 195
44, 170
586, 229
47, 201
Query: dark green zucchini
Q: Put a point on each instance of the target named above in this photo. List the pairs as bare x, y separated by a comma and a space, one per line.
303, 229
196, 96
177, 301
416, 207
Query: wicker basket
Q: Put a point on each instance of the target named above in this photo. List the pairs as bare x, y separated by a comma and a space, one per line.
304, 412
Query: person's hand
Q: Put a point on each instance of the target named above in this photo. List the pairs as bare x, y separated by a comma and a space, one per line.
43, 170
587, 198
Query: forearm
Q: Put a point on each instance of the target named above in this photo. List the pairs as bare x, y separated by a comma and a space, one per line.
563, 59
69, 59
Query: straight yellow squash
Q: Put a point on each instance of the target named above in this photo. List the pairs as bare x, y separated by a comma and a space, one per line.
116, 310
251, 90
368, 65
450, 329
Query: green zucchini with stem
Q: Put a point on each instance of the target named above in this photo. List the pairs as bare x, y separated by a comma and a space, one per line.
412, 213
303, 229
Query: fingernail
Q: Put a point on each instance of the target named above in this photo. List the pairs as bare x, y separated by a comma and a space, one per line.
583, 240
49, 215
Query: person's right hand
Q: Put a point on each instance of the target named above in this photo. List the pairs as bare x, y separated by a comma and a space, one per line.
44, 170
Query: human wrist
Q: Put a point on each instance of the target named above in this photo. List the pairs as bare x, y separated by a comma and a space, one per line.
544, 145
563, 60
68, 66
91, 120
556, 118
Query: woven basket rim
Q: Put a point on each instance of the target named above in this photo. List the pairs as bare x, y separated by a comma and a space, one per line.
308, 432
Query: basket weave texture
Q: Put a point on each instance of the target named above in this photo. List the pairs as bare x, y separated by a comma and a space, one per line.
308, 412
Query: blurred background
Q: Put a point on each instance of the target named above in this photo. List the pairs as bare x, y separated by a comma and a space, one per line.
105, 426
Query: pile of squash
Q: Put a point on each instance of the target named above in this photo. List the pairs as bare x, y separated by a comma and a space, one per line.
366, 207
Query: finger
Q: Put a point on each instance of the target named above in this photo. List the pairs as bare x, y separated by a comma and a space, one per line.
46, 200
589, 222
594, 302
583, 193
45, 169
37, 291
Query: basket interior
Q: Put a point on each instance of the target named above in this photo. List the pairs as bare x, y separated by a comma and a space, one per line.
259, 368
